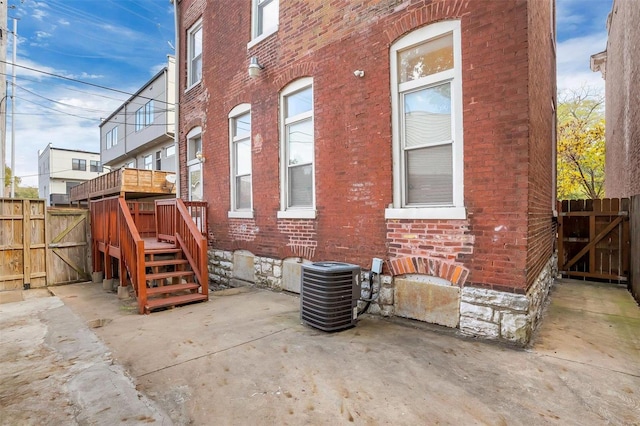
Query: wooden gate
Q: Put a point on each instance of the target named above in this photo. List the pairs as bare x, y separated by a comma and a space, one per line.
594, 239
23, 249
40, 246
68, 246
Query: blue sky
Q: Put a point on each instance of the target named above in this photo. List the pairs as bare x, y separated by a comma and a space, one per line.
117, 44
121, 44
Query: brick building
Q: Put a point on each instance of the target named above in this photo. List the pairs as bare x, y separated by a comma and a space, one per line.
418, 132
620, 67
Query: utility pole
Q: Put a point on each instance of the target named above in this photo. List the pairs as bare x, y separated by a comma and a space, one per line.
4, 34
13, 107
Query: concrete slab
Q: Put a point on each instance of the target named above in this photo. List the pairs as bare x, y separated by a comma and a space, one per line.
54, 370
243, 357
592, 323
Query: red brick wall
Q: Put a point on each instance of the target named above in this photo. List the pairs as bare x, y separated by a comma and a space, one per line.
328, 41
622, 166
542, 94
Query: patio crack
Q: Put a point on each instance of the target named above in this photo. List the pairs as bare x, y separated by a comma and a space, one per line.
213, 353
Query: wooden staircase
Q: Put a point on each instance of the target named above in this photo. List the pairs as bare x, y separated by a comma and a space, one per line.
160, 251
170, 280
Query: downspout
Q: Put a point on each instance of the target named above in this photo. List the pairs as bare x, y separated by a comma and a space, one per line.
176, 112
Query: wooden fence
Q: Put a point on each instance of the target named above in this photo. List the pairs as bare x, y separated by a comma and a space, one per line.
635, 247
42, 246
594, 239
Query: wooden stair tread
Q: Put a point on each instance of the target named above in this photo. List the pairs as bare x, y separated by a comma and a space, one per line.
173, 274
172, 288
162, 251
166, 262
164, 302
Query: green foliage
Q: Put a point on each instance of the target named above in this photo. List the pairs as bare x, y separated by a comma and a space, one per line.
7, 177
27, 192
581, 145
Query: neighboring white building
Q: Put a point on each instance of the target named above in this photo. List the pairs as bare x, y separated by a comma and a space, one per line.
140, 134
61, 169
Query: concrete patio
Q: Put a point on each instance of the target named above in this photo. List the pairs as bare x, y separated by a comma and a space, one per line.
244, 358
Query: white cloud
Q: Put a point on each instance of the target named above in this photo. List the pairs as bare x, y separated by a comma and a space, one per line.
64, 22
573, 61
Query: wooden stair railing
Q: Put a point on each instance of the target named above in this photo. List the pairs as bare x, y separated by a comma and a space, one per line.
175, 224
132, 254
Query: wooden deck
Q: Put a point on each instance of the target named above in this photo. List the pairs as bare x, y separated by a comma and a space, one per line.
128, 183
151, 243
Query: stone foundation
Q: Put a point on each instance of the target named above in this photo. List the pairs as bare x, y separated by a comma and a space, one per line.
506, 316
477, 312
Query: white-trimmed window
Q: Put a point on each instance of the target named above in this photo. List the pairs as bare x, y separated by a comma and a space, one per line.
144, 116
170, 151
297, 151
265, 15
111, 138
426, 87
95, 166
147, 162
194, 164
240, 149
194, 49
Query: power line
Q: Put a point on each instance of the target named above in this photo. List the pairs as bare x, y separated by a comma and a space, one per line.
84, 82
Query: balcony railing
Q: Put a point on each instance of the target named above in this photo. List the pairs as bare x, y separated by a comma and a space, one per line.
125, 181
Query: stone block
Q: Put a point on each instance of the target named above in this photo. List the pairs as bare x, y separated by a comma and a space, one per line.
243, 267
386, 296
429, 302
483, 313
481, 296
515, 328
291, 276
476, 327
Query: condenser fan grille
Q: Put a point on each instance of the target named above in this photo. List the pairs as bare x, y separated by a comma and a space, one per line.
329, 295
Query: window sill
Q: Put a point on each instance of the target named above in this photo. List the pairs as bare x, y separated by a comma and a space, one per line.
196, 84
426, 213
297, 214
262, 37
241, 214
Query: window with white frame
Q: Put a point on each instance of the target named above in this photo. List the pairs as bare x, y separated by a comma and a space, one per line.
131, 164
194, 50
95, 166
265, 14
194, 164
426, 86
111, 138
144, 116
240, 149
297, 150
147, 162
170, 151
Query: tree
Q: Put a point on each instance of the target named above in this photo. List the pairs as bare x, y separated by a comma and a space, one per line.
581, 148
7, 177
30, 192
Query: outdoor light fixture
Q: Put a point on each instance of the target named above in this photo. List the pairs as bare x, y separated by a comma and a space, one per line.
200, 156
254, 67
